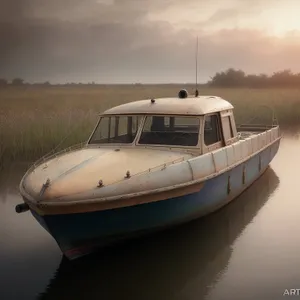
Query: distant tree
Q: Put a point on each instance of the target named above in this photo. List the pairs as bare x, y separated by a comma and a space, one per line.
230, 77
17, 81
282, 78
237, 78
256, 81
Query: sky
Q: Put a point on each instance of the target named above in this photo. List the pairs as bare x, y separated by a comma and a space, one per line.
146, 41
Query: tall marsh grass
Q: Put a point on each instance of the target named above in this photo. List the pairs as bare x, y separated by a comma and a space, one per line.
34, 120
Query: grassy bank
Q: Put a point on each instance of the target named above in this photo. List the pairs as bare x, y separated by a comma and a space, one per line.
33, 120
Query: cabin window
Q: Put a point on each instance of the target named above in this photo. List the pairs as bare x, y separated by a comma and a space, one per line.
227, 128
170, 130
116, 129
212, 130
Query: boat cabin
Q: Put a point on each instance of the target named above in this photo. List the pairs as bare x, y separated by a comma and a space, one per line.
198, 124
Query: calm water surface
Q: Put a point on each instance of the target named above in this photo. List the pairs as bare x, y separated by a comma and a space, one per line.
248, 250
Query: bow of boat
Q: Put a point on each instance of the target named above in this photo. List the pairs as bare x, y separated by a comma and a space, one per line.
102, 175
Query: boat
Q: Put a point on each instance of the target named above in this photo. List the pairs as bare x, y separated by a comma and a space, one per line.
148, 165
201, 250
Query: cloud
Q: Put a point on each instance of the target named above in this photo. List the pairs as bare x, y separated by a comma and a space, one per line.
117, 41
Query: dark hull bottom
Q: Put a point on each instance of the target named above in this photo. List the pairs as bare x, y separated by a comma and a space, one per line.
81, 234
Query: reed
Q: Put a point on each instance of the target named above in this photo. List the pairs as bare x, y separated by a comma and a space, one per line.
33, 119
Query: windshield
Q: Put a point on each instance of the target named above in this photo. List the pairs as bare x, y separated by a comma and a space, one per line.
116, 129
169, 130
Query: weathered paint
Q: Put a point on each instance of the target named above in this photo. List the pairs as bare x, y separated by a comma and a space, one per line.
220, 159
85, 206
254, 141
238, 151
85, 232
245, 147
230, 155
189, 106
249, 146
268, 136
80, 171
273, 134
202, 165
260, 141
264, 138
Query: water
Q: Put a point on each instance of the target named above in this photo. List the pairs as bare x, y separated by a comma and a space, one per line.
248, 250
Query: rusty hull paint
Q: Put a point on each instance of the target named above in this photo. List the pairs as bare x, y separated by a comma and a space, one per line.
43, 208
80, 171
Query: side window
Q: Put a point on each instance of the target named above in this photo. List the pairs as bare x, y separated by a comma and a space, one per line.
211, 130
227, 128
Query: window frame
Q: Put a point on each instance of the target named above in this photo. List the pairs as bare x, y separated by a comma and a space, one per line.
216, 145
198, 146
143, 117
229, 115
89, 143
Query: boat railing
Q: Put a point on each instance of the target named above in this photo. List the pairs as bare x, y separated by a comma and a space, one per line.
53, 154
162, 166
257, 126
254, 127
158, 167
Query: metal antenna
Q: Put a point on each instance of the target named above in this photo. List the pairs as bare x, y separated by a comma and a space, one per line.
197, 92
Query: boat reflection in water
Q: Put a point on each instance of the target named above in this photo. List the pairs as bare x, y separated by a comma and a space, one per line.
177, 263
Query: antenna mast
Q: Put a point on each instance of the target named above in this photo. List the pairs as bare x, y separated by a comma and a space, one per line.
197, 92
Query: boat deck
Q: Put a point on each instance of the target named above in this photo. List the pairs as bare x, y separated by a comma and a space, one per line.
249, 130
246, 134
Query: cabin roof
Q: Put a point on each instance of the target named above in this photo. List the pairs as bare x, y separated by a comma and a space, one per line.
200, 105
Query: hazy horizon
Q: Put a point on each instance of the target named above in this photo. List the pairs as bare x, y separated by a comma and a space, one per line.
145, 41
